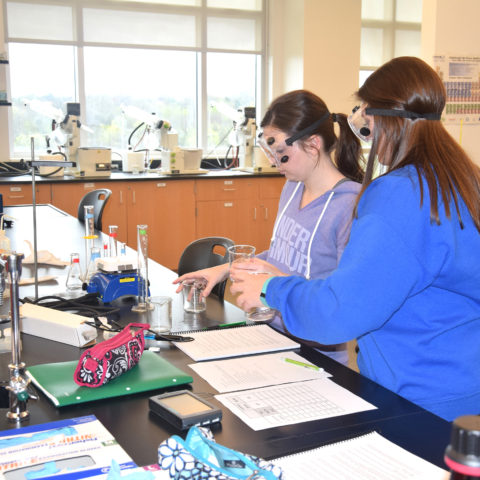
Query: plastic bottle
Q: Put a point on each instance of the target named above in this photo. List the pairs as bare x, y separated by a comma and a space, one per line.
463, 454
74, 277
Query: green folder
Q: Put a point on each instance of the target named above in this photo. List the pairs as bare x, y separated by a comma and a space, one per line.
152, 372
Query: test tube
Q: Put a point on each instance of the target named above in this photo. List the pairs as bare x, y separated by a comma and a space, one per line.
143, 303
112, 240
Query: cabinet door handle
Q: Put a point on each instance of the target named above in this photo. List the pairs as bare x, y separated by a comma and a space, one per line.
229, 189
16, 196
228, 204
134, 200
266, 213
254, 213
121, 197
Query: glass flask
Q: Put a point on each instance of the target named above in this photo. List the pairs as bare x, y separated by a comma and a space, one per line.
74, 276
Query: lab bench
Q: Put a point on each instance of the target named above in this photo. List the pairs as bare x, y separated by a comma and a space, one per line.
178, 209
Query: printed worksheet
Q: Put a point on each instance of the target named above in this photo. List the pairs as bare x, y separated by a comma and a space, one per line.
298, 402
257, 371
362, 458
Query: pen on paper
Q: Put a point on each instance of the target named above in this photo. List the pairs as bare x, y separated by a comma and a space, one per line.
226, 325
303, 364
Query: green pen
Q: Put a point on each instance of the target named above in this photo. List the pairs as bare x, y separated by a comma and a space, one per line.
234, 324
226, 325
302, 364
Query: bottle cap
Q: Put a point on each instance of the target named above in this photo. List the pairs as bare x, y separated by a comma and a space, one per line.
463, 453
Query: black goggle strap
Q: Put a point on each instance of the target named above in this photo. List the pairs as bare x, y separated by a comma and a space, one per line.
385, 112
307, 131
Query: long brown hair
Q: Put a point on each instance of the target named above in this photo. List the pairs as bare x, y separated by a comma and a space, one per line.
409, 84
299, 109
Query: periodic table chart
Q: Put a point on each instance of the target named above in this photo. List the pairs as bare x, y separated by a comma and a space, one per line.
461, 78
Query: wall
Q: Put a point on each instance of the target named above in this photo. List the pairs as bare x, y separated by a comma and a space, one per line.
284, 46
451, 27
314, 44
332, 51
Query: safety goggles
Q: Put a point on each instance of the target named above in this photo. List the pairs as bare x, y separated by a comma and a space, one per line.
276, 152
358, 124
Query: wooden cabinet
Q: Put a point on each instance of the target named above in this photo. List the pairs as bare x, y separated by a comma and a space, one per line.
67, 196
168, 208
177, 211
21, 193
243, 209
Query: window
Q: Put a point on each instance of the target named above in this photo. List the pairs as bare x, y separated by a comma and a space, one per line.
390, 28
188, 62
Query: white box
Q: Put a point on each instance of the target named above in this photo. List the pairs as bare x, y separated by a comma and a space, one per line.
59, 171
56, 325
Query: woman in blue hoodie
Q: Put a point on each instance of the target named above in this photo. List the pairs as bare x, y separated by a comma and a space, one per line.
315, 211
408, 283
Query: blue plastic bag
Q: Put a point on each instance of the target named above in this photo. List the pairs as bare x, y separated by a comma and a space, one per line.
200, 457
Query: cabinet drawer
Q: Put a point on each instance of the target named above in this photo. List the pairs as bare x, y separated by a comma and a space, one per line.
270, 187
225, 189
22, 194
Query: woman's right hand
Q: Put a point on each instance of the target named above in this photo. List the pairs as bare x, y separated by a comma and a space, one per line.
212, 276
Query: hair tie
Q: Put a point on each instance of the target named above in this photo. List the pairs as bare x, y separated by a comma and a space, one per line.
334, 117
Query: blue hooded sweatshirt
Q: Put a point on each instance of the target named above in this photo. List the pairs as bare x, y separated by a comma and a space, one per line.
408, 289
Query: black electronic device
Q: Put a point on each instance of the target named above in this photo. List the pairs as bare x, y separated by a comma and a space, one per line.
183, 409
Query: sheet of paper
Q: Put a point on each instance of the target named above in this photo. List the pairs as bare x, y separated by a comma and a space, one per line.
298, 402
257, 371
235, 342
362, 458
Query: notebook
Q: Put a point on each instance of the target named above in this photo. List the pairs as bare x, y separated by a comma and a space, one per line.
55, 380
363, 458
235, 342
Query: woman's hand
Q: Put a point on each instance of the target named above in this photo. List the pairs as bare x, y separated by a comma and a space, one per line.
211, 275
255, 265
248, 282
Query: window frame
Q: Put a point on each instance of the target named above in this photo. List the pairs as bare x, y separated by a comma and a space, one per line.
390, 27
201, 13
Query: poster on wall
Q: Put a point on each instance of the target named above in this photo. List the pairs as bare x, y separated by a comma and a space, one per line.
461, 77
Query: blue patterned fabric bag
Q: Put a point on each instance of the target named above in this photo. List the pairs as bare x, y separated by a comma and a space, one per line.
199, 457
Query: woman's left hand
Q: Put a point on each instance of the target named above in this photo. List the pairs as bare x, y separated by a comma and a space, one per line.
249, 285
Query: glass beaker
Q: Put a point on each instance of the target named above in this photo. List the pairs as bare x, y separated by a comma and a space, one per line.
143, 302
74, 276
241, 253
